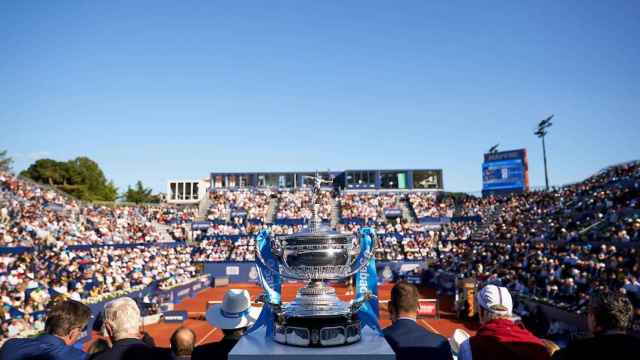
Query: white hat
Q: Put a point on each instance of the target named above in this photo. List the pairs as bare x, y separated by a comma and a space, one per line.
491, 297
235, 312
459, 336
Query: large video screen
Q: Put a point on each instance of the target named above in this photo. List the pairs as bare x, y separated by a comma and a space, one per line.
427, 179
503, 175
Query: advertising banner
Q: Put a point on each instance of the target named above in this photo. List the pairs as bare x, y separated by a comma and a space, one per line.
428, 307
175, 317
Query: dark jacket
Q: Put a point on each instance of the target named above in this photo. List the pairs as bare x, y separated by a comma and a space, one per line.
131, 349
610, 346
217, 350
43, 347
411, 341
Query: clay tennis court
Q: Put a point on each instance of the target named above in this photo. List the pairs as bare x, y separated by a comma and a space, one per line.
206, 333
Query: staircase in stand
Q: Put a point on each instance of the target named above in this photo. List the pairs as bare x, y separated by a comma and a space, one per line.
407, 212
483, 229
271, 212
163, 230
203, 207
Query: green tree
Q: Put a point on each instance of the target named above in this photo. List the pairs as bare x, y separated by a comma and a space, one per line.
47, 171
5, 161
80, 177
139, 194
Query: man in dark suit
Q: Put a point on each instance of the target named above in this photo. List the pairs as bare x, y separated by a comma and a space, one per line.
123, 326
408, 339
610, 314
183, 340
233, 317
219, 350
65, 324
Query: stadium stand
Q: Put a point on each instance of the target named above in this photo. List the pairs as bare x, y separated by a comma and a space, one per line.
551, 247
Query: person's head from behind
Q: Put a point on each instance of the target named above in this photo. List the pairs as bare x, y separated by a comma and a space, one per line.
404, 301
235, 315
494, 302
67, 320
122, 320
550, 346
609, 311
234, 333
183, 340
98, 346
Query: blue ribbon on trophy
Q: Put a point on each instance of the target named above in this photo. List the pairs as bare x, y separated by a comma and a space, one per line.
367, 284
270, 281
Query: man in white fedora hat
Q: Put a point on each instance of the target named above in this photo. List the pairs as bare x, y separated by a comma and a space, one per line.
233, 317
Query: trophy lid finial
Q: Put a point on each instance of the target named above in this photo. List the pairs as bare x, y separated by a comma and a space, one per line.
316, 221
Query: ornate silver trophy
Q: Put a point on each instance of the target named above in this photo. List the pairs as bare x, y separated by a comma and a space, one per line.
318, 254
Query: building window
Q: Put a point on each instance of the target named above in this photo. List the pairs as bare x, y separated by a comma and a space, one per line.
172, 186
361, 179
426, 179
187, 191
196, 195
180, 191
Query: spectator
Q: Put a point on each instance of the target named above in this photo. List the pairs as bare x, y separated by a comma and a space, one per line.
183, 340
98, 346
551, 347
408, 339
634, 297
233, 317
610, 315
499, 336
123, 326
65, 324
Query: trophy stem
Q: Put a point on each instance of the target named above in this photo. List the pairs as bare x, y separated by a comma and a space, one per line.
316, 284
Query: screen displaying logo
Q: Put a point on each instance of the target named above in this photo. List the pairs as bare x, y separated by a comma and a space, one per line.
505, 171
505, 174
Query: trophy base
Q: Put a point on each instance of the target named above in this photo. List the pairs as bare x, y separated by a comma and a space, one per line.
317, 318
257, 346
320, 331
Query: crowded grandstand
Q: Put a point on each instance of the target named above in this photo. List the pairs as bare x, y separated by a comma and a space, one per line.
553, 247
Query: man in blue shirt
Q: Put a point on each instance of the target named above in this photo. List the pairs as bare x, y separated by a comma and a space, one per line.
65, 324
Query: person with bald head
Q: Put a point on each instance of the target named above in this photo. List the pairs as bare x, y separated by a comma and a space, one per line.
183, 341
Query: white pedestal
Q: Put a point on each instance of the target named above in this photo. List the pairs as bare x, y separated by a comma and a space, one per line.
256, 346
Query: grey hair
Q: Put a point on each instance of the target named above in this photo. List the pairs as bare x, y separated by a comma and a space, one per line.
497, 312
123, 316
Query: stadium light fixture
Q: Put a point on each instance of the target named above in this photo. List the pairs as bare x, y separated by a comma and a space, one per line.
541, 132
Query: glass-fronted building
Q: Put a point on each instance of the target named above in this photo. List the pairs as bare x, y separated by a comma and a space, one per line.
356, 180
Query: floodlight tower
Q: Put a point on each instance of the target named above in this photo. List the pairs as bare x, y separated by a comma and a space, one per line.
540, 132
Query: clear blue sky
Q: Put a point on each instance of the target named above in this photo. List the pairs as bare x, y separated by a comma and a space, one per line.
155, 90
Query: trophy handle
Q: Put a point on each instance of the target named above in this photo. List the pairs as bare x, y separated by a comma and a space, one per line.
357, 304
261, 259
364, 260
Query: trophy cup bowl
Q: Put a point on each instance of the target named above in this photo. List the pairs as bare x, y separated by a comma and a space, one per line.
316, 317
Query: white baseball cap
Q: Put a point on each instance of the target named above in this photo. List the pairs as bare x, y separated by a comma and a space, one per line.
495, 299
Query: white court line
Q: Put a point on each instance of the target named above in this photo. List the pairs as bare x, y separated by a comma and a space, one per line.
429, 326
206, 336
